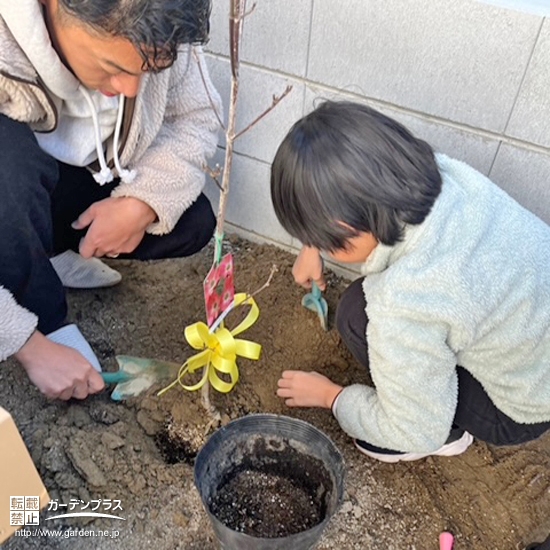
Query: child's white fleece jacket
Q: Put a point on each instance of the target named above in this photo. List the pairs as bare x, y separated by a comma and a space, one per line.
470, 286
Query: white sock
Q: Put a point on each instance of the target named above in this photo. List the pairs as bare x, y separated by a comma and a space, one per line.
71, 337
78, 272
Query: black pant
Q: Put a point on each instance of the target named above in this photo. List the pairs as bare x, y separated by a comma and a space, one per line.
542, 546
475, 411
39, 199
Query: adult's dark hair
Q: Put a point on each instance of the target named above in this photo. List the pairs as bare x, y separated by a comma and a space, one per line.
156, 27
346, 162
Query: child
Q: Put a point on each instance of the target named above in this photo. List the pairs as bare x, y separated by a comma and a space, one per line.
452, 317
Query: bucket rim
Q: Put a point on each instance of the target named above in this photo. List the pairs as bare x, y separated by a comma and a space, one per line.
338, 475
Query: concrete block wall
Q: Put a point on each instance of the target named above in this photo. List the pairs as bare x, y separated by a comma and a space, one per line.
471, 78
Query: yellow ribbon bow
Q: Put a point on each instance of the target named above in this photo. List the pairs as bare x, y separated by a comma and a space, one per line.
219, 350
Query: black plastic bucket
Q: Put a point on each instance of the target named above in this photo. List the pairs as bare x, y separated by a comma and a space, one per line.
286, 447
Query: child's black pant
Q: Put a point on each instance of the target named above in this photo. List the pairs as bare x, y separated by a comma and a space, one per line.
475, 411
40, 198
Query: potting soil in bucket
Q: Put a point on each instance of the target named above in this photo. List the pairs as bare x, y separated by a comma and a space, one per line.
269, 482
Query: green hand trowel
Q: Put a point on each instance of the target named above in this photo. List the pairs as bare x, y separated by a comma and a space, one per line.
137, 374
314, 301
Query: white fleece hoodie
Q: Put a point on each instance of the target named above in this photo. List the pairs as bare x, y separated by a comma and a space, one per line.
73, 140
172, 132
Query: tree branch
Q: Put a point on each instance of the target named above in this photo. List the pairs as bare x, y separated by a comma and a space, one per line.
214, 173
220, 121
246, 14
274, 269
276, 100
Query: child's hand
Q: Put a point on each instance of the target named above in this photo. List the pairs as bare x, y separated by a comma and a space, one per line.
308, 267
307, 389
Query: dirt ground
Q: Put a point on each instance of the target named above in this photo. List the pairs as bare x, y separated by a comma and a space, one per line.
141, 452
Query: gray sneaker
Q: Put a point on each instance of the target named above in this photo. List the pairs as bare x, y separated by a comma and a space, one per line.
78, 272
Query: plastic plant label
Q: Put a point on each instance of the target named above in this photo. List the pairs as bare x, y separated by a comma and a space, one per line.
219, 289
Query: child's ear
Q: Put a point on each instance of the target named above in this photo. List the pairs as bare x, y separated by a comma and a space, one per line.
352, 229
346, 225
358, 232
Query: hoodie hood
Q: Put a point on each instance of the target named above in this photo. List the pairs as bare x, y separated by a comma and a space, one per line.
86, 118
25, 19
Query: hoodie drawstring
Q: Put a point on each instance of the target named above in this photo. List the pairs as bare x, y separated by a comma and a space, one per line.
126, 176
105, 175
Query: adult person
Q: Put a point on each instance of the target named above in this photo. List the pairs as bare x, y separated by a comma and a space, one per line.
107, 117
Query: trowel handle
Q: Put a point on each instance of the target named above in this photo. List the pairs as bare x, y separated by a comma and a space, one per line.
446, 541
115, 377
315, 290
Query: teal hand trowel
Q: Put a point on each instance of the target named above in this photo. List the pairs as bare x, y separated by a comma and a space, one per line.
137, 374
314, 301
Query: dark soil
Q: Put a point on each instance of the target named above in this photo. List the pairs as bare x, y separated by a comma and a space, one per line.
269, 489
265, 505
141, 452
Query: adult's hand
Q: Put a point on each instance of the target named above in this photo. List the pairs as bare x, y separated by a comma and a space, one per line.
115, 225
58, 371
307, 389
308, 268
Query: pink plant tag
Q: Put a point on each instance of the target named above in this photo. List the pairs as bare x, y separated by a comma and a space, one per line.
219, 289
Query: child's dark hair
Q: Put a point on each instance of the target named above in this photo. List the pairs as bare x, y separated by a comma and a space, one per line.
346, 162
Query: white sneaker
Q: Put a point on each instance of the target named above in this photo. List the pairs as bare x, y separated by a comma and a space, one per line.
78, 272
456, 444
71, 337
